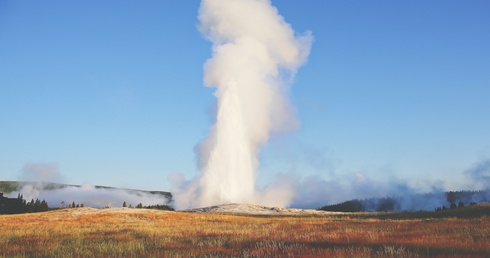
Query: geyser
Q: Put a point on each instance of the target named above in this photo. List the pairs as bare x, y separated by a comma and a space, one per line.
255, 56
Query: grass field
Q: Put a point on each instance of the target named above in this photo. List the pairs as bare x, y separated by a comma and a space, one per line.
88, 232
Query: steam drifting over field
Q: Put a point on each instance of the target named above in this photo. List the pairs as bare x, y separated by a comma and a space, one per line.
89, 195
34, 185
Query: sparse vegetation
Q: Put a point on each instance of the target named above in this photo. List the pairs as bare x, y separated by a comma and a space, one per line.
90, 232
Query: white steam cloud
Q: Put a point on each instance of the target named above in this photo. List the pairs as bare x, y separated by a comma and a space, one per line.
42, 181
255, 56
90, 196
480, 173
41, 172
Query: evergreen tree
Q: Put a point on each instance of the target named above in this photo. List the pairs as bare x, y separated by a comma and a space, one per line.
124, 204
24, 206
30, 206
44, 206
37, 205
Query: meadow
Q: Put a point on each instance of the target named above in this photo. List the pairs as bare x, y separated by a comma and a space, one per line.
125, 232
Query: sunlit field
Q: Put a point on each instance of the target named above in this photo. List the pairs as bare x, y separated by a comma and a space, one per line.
87, 232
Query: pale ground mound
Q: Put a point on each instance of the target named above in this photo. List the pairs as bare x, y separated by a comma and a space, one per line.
232, 208
240, 208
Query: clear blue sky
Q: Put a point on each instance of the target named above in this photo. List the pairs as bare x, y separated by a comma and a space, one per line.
112, 92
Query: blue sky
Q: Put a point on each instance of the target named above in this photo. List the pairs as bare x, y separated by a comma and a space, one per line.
111, 92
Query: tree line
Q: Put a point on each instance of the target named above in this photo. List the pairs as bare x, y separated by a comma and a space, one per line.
155, 207
20, 205
453, 199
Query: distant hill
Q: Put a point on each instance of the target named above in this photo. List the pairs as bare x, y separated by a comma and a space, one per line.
11, 186
8, 186
429, 201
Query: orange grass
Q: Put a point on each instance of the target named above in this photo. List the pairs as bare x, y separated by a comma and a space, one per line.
89, 232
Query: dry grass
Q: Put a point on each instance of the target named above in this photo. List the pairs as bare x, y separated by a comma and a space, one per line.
89, 232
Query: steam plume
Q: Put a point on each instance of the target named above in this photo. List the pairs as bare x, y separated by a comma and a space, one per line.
255, 57
41, 172
480, 173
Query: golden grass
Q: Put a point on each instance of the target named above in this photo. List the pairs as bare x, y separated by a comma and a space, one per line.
89, 232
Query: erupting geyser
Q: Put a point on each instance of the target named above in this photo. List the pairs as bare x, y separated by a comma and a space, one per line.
255, 56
